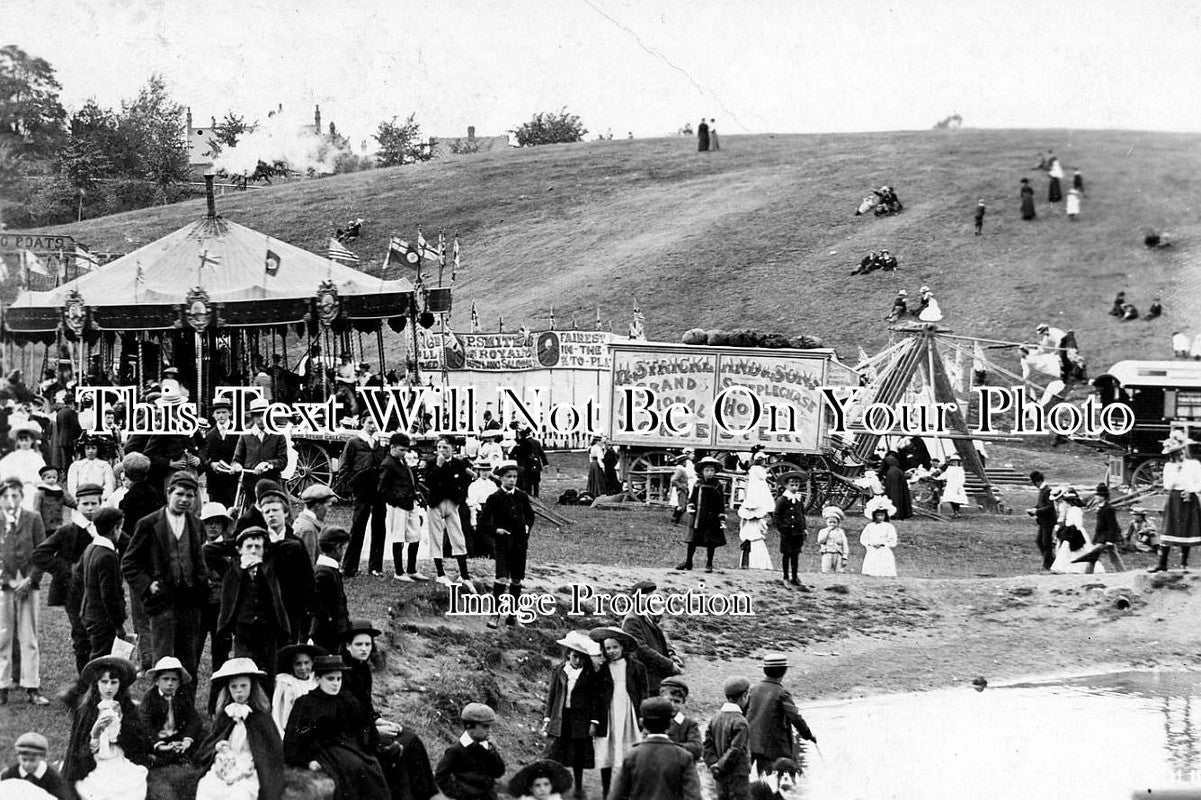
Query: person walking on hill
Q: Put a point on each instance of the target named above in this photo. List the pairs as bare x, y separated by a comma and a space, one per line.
1078, 181
1073, 207
702, 136
1054, 190
714, 144
980, 218
1027, 200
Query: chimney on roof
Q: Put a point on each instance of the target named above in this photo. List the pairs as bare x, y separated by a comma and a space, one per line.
470, 132
213, 120
189, 120
317, 119
212, 199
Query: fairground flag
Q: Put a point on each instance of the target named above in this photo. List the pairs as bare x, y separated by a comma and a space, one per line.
272, 262
454, 264
524, 332
475, 318
424, 249
34, 264
407, 253
598, 322
85, 261
453, 342
339, 253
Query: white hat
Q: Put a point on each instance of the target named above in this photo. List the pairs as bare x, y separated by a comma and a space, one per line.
259, 405
238, 666
833, 511
881, 503
166, 664
579, 641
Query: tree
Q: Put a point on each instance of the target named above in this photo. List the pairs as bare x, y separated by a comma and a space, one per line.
30, 111
400, 143
550, 127
228, 131
94, 147
153, 124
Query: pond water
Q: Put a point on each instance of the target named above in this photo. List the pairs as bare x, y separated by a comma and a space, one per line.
1096, 737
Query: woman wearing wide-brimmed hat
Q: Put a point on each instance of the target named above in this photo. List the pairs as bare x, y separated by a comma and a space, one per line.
596, 468
106, 758
1073, 539
542, 780
26, 460
1181, 515
573, 706
622, 688
243, 756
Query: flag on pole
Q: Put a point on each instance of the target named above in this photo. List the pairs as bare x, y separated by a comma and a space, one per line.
272, 262
423, 247
500, 323
454, 264
85, 261
475, 318
34, 264
524, 332
337, 252
598, 320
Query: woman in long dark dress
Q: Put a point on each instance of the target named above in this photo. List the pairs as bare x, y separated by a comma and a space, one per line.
609, 461
1027, 200
328, 731
702, 136
401, 752
1054, 190
896, 487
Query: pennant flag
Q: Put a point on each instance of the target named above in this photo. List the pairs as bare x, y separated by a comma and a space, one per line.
84, 260
453, 342
34, 264
337, 252
454, 267
406, 252
272, 262
598, 320
475, 318
524, 332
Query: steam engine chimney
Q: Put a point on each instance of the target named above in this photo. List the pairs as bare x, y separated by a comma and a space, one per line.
212, 199
317, 119
470, 132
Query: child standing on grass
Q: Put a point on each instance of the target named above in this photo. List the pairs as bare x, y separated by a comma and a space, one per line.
707, 505
979, 217
1073, 207
832, 541
726, 743
683, 729
573, 706
879, 537
790, 522
753, 514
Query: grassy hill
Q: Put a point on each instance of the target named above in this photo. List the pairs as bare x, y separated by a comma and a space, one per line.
762, 234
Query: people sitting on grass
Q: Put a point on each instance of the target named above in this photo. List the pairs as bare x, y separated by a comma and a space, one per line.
32, 768
900, 307
1129, 312
243, 757
1141, 534
107, 756
1155, 310
1118, 302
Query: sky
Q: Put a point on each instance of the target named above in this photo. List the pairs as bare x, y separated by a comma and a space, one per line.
636, 66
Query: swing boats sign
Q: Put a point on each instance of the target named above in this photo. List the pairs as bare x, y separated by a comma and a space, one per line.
794, 400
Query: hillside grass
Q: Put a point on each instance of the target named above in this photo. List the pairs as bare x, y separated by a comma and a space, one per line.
763, 234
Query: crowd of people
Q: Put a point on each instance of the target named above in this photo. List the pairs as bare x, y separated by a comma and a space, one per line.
1050, 164
1126, 311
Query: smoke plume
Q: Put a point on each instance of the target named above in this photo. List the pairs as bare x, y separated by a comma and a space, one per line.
279, 138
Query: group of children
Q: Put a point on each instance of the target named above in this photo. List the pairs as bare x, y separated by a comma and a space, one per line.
707, 507
927, 309
602, 714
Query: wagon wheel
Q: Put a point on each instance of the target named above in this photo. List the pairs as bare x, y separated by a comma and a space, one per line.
312, 467
636, 474
1148, 474
777, 468
818, 488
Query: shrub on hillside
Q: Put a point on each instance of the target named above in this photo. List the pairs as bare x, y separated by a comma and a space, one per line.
550, 127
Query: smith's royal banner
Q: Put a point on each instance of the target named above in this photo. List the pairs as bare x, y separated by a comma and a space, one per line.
514, 352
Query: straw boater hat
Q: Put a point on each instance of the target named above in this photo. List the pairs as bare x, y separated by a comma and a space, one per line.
259, 405
505, 466
833, 511
579, 642
521, 784
1138, 510
236, 667
775, 660
167, 664
598, 635
708, 461
881, 503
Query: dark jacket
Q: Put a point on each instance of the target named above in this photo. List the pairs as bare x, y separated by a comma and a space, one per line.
635, 688
585, 705
726, 745
249, 451
153, 711
59, 554
1044, 509
294, 571
1107, 530
146, 560
707, 504
448, 481
265, 746
469, 773
397, 486
359, 467
236, 586
653, 650
18, 545
656, 768
330, 615
507, 511
142, 500
686, 734
103, 594
771, 715
52, 782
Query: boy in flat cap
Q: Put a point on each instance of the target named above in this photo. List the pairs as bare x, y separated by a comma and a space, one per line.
317, 500
330, 615
726, 743
471, 766
252, 608
218, 457
506, 518
32, 766
398, 490
771, 715
683, 729
656, 766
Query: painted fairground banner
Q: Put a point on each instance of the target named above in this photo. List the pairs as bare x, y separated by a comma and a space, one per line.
681, 395
514, 352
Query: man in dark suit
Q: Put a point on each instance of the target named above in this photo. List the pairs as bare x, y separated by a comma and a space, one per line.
252, 608
258, 454
144, 497
359, 469
531, 458
288, 557
653, 650
656, 766
1044, 516
102, 608
164, 565
60, 555
507, 518
330, 615
771, 715
398, 490
218, 457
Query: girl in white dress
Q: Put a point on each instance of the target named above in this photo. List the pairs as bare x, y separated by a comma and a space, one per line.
1069, 530
756, 506
623, 687
955, 490
91, 469
107, 755
243, 756
879, 537
295, 678
25, 461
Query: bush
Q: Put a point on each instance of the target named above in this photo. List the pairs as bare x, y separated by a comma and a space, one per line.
551, 127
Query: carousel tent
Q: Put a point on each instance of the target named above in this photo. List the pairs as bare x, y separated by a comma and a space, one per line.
216, 272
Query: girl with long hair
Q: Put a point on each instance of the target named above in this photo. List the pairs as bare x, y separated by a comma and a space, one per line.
243, 756
106, 758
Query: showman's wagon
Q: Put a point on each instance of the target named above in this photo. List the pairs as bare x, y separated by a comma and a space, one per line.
719, 400
1163, 395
